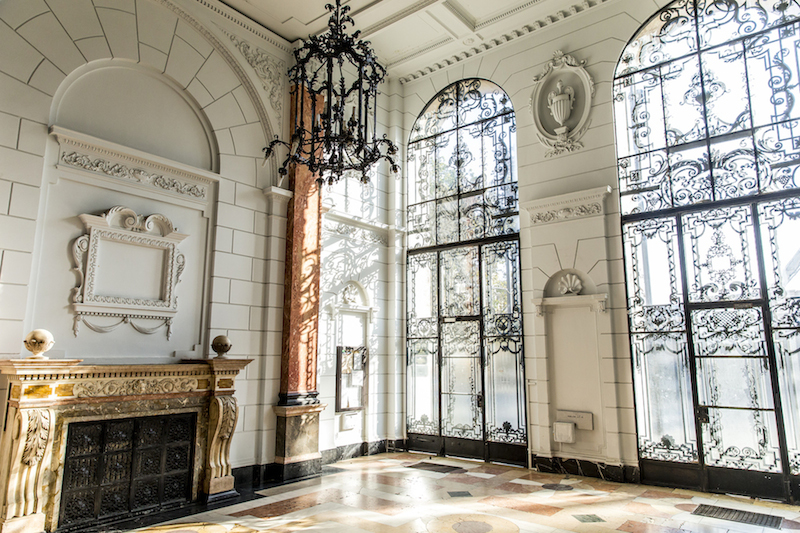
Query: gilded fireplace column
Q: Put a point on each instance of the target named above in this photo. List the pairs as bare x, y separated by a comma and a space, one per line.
297, 436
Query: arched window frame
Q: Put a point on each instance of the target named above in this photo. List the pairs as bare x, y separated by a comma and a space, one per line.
713, 183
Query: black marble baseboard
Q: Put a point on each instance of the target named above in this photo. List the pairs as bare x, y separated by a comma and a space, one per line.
581, 467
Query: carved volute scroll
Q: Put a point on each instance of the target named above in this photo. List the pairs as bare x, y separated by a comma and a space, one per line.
223, 413
30, 437
144, 239
561, 102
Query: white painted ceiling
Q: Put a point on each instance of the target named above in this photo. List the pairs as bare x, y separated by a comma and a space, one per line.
411, 35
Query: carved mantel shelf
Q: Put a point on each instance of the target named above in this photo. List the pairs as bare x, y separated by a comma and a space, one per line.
46, 396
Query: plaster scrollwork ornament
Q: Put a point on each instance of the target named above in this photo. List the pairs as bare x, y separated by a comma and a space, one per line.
270, 71
138, 175
128, 267
133, 387
561, 103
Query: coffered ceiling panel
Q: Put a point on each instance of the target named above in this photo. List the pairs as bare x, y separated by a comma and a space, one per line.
410, 36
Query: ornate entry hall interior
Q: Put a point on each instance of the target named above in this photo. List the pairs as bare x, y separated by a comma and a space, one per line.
270, 257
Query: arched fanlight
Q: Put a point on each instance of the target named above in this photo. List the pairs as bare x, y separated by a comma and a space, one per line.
334, 92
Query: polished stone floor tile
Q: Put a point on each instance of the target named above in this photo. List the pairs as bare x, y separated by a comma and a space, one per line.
414, 493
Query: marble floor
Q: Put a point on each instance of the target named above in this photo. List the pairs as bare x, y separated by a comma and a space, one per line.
413, 493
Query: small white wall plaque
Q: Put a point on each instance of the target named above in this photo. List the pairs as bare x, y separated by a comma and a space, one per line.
128, 267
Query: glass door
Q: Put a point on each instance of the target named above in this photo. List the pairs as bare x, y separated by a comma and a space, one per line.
465, 365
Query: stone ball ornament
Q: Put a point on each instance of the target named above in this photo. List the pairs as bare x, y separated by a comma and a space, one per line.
221, 345
38, 342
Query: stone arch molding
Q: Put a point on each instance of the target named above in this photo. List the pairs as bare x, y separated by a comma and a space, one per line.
141, 129
561, 102
50, 44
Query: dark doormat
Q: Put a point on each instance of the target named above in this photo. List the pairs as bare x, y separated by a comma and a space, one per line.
442, 469
734, 515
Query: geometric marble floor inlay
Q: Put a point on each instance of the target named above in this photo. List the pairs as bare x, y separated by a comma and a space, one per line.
381, 494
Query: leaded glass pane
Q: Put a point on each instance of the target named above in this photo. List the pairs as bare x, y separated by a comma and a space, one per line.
446, 165
772, 60
501, 289
780, 228
479, 100
422, 298
459, 282
728, 332
470, 159
787, 353
505, 405
690, 174
422, 165
447, 221
639, 113
472, 217
723, 21
438, 117
423, 387
499, 149
720, 257
742, 439
734, 170
668, 35
502, 211
683, 101
422, 225
725, 90
461, 380
665, 418
644, 183
741, 383
653, 275
778, 150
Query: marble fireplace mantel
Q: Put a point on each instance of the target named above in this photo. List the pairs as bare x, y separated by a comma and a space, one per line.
45, 396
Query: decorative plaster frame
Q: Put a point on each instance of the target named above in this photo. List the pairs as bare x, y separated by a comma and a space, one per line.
564, 207
565, 142
353, 299
122, 225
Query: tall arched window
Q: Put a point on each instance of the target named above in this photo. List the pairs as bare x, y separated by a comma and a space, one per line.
465, 374
708, 142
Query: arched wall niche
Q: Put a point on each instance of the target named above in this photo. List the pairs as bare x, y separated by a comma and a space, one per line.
136, 106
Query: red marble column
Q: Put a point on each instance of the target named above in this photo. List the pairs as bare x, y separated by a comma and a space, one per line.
297, 426
301, 294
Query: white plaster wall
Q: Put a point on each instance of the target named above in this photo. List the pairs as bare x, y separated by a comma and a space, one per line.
187, 45
596, 36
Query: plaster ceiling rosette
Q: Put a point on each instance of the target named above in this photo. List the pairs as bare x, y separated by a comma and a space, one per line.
561, 103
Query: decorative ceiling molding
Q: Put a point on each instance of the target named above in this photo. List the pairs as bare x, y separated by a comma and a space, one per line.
419, 52
235, 17
400, 15
497, 18
490, 44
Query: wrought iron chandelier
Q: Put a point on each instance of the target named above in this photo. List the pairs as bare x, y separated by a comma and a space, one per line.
334, 91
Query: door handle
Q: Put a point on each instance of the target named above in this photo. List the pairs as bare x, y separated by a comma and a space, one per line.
479, 400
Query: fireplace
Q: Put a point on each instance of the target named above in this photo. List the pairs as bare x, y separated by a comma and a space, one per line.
93, 443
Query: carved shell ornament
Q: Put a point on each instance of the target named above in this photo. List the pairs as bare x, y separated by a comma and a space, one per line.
570, 285
560, 104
